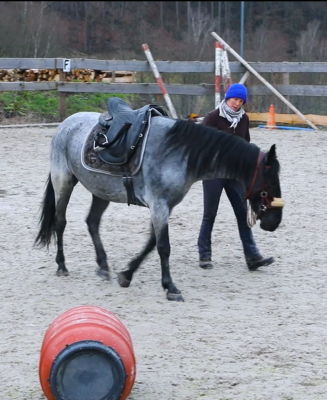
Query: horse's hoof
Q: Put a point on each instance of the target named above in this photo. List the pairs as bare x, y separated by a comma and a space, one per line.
104, 274
123, 282
175, 297
62, 273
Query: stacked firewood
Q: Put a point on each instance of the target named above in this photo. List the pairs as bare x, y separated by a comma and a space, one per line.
81, 75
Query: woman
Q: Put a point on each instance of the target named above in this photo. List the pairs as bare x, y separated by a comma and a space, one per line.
229, 117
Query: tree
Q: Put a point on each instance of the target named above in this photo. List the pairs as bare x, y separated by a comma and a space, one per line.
308, 43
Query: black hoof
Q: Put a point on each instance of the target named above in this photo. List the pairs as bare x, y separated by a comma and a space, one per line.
104, 274
253, 265
175, 297
123, 282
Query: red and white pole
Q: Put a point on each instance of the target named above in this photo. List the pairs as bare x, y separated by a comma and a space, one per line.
159, 80
227, 80
218, 56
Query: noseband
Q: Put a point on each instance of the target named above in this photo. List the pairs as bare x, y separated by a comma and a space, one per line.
267, 201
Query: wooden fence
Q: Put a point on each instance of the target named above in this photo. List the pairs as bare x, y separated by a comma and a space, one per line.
171, 67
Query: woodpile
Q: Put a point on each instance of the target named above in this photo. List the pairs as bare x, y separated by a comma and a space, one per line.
80, 75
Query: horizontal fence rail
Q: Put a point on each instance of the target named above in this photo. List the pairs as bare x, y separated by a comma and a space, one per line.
204, 89
163, 66
201, 89
192, 96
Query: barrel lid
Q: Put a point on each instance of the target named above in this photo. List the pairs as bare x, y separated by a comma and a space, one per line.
87, 370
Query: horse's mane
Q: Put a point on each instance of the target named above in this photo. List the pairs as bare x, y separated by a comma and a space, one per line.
207, 149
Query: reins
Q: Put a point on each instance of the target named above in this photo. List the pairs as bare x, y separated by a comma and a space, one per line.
260, 158
276, 202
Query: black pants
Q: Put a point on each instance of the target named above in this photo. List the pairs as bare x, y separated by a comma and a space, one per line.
212, 190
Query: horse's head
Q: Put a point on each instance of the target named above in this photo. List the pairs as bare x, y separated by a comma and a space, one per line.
264, 192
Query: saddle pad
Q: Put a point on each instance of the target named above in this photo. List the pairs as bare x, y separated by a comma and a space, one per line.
90, 158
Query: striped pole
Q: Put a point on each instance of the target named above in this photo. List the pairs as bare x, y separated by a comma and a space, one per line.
159, 80
227, 80
218, 54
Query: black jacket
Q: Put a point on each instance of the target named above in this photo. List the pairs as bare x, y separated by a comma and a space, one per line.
214, 120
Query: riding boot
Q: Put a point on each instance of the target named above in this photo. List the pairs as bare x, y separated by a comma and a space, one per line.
253, 258
204, 243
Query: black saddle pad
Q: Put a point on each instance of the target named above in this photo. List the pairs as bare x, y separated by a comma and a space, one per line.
92, 161
123, 129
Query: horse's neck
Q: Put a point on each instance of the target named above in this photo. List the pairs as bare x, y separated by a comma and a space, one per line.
223, 172
230, 167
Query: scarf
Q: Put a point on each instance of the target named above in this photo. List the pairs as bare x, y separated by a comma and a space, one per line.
231, 115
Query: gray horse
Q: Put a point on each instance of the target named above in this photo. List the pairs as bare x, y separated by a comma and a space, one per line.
172, 156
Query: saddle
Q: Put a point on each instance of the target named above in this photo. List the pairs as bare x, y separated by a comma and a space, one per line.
121, 129
116, 144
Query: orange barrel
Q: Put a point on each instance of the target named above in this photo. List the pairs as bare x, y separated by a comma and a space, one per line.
87, 354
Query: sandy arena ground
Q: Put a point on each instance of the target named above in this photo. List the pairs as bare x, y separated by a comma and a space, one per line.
238, 335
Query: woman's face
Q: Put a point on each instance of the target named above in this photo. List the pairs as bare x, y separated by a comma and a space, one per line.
234, 103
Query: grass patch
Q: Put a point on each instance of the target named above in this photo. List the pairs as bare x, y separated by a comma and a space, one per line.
45, 105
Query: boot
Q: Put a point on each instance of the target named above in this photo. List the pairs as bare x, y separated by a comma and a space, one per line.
204, 245
253, 258
206, 263
257, 261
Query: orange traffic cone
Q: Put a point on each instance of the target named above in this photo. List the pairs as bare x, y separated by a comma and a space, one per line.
271, 123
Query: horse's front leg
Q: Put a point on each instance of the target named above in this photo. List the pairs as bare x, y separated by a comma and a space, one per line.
163, 247
125, 277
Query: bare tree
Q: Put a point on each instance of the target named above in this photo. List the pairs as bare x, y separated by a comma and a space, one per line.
40, 22
161, 15
201, 25
177, 15
260, 40
308, 42
24, 25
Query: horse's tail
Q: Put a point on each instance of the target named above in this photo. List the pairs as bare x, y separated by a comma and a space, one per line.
47, 218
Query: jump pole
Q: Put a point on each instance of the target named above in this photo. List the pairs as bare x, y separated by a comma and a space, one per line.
218, 57
255, 73
227, 80
159, 80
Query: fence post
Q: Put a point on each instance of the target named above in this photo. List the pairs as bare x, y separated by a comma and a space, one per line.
62, 97
286, 81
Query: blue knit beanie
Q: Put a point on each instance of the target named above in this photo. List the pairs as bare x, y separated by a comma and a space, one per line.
238, 91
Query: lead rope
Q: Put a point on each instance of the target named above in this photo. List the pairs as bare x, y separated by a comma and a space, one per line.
250, 215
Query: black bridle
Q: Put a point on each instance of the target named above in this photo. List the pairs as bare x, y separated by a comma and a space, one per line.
267, 201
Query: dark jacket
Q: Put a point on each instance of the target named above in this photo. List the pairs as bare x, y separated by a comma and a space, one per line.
214, 120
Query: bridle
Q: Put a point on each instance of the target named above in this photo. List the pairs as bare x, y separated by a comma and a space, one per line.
267, 201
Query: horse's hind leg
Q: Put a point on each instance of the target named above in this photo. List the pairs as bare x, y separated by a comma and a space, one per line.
98, 207
125, 277
63, 187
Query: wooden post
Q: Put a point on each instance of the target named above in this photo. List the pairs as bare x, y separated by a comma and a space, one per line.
62, 97
156, 73
255, 73
286, 81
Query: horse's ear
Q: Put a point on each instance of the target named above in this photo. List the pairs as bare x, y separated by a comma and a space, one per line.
271, 154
